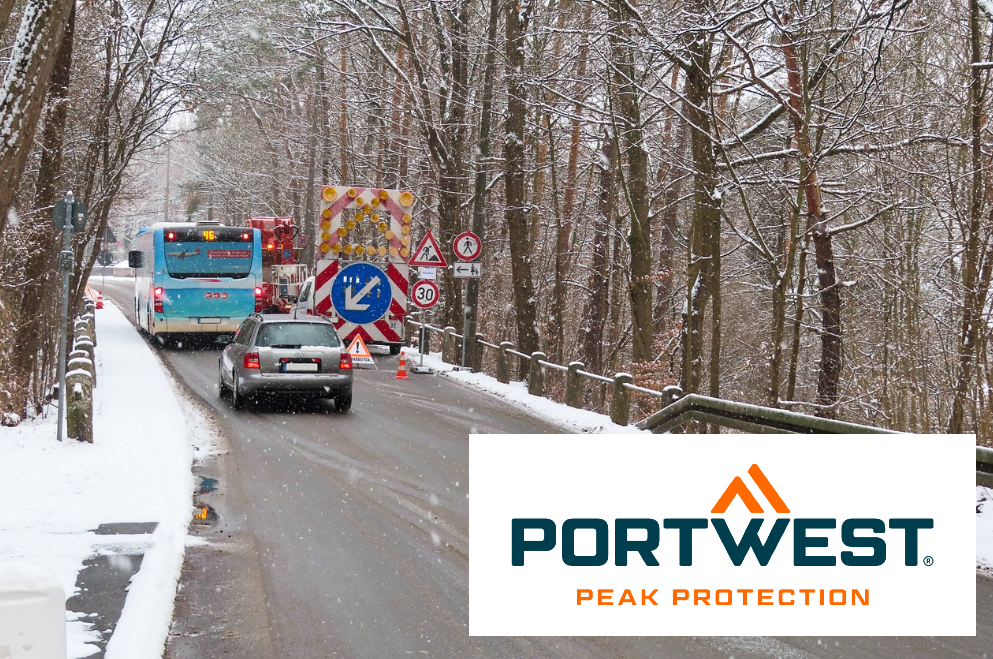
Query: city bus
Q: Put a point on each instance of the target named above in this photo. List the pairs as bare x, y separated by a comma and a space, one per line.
195, 278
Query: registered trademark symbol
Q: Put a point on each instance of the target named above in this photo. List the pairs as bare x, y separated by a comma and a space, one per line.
928, 561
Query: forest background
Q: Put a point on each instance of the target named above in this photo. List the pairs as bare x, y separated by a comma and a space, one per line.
788, 203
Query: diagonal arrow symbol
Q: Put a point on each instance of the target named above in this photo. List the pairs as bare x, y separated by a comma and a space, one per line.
352, 303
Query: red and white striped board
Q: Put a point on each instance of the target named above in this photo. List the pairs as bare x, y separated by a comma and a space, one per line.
387, 329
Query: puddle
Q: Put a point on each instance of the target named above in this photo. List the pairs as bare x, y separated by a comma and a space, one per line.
207, 485
203, 514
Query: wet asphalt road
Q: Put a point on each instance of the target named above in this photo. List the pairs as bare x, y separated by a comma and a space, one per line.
347, 535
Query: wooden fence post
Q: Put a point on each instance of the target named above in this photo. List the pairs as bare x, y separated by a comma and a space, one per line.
448, 351
574, 385
620, 402
503, 368
536, 374
477, 354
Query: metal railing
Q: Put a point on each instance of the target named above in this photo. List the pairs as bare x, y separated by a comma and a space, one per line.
984, 466
677, 408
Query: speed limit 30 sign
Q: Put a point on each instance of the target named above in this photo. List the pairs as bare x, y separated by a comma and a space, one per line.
424, 293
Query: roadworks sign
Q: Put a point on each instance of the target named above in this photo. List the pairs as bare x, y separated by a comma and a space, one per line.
360, 353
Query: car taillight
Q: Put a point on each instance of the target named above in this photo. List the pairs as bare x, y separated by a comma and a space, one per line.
258, 300
251, 360
346, 362
158, 299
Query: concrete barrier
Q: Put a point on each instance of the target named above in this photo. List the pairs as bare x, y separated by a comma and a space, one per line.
32, 612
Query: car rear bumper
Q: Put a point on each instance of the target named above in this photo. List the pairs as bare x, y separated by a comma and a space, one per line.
320, 384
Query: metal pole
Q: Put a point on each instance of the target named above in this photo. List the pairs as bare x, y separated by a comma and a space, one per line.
467, 324
65, 311
421, 345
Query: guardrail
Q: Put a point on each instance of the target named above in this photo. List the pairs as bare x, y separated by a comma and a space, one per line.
677, 408
984, 466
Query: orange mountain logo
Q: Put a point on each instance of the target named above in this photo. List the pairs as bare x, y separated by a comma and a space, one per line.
737, 488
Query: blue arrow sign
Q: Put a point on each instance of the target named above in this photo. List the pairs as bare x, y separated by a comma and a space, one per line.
361, 293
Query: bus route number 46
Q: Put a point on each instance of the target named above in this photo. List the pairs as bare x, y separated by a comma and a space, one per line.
424, 293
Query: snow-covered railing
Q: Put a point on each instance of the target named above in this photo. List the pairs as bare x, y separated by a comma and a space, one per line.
677, 408
537, 363
984, 466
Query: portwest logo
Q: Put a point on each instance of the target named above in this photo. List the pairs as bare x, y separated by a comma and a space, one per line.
804, 534
723, 535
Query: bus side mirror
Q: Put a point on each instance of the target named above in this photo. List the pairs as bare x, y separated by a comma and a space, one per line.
135, 259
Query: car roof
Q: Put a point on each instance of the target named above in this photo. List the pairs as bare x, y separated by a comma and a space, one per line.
283, 318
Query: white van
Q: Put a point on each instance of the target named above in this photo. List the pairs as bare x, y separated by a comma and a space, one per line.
304, 306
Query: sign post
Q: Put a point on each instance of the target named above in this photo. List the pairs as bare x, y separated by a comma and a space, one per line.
468, 246
68, 214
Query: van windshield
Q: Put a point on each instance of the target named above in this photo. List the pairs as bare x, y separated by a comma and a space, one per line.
296, 335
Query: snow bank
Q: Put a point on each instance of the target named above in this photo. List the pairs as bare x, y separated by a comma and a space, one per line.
137, 470
984, 530
516, 393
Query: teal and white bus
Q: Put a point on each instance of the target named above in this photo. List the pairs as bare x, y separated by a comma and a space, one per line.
195, 278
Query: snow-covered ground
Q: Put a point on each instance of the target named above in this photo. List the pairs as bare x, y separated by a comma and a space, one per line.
137, 470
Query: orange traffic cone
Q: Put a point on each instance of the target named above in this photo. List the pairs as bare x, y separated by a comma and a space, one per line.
402, 369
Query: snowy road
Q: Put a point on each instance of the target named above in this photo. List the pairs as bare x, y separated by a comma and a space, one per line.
348, 536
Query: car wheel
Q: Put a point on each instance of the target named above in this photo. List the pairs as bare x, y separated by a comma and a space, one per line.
343, 402
237, 398
222, 389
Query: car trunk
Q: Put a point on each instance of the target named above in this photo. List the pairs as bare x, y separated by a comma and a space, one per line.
306, 359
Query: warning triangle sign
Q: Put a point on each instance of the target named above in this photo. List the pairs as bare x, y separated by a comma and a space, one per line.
359, 352
428, 254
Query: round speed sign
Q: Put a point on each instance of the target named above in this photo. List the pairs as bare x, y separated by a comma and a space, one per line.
424, 293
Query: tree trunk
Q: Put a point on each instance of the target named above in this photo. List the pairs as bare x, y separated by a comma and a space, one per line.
830, 293
32, 337
525, 302
482, 172
973, 296
591, 330
635, 181
706, 213
23, 91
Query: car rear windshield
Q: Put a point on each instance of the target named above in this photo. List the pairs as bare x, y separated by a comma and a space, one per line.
296, 335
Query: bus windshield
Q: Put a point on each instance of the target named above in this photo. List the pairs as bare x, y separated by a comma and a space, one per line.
208, 259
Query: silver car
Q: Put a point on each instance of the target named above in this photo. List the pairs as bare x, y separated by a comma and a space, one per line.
282, 355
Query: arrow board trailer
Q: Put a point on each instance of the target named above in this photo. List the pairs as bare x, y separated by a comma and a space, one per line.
366, 299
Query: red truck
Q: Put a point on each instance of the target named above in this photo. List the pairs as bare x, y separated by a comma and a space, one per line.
282, 275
